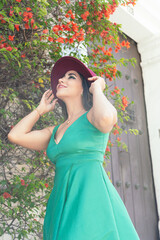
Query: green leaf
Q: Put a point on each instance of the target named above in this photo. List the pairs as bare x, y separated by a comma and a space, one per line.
5, 56
11, 27
43, 12
1, 5
19, 64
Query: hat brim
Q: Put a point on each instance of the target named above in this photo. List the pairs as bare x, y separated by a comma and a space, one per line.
65, 64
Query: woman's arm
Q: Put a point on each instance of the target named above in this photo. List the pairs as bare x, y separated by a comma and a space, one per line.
103, 115
21, 133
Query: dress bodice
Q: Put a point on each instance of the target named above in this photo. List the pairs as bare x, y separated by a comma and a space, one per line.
81, 139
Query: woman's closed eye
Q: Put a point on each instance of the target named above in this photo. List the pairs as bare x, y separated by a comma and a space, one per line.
72, 77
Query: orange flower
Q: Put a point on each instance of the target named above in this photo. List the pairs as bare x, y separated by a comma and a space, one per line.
57, 28
118, 139
117, 90
124, 101
123, 44
80, 39
67, 1
127, 44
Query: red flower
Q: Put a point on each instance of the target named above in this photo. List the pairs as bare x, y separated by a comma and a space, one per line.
70, 11
11, 38
3, 21
22, 182
11, 13
115, 132
44, 153
45, 31
32, 22
127, 44
123, 44
28, 9
67, 1
27, 15
118, 139
26, 26
6, 195
89, 23
72, 16
85, 15
17, 27
12, 126
50, 39
107, 149
71, 40
60, 39
124, 101
9, 48
23, 56
46, 184
18, 0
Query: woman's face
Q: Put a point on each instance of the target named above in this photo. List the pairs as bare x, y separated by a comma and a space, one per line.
72, 85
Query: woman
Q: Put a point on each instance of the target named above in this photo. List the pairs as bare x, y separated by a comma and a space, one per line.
83, 205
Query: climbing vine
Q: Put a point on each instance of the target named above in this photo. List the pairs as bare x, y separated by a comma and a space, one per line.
33, 36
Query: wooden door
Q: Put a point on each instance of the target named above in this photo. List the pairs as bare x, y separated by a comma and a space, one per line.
131, 172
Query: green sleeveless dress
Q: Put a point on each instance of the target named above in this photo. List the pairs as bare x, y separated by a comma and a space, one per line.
84, 204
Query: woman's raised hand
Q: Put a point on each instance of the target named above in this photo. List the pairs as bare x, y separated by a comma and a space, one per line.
46, 104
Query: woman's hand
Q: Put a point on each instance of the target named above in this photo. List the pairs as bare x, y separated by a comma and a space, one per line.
45, 104
97, 81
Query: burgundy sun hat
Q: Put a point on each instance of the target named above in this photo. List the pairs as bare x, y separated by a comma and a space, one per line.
65, 64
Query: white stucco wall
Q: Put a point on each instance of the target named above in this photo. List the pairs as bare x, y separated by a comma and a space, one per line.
142, 24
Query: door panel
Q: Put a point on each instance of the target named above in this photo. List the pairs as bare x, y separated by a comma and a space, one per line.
131, 172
